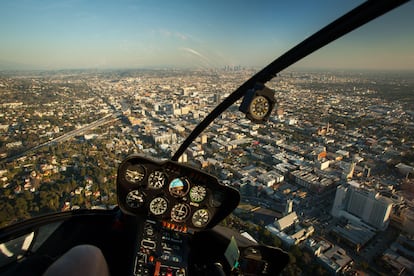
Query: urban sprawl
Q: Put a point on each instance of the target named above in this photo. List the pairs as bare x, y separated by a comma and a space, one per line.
330, 173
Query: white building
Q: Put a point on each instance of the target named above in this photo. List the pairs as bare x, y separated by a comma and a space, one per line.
340, 200
368, 205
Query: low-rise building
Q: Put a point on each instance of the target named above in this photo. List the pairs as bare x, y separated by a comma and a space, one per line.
290, 230
334, 260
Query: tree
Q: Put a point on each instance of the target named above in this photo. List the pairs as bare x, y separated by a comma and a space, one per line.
49, 201
28, 196
21, 208
83, 172
7, 213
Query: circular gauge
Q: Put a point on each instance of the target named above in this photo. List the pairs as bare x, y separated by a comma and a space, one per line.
135, 199
158, 206
179, 187
201, 217
259, 107
197, 193
157, 179
134, 173
180, 212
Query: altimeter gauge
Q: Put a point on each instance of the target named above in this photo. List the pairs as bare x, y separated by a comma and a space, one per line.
135, 199
156, 180
134, 173
158, 206
197, 193
200, 218
180, 212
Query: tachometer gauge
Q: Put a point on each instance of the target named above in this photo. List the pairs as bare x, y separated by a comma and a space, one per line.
259, 107
158, 206
180, 212
201, 217
134, 173
179, 187
197, 193
156, 180
135, 199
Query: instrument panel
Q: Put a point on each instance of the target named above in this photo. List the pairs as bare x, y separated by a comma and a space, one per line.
174, 193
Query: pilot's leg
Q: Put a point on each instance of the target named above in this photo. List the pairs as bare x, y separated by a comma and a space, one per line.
80, 260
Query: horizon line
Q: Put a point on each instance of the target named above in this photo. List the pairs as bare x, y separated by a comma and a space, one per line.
170, 67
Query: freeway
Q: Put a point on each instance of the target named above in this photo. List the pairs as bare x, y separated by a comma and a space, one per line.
79, 131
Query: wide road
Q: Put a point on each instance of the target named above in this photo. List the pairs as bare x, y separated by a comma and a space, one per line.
76, 132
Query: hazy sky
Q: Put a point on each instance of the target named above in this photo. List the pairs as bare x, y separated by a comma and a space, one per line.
52, 34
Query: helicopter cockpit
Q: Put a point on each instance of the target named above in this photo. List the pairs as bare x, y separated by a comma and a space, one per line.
168, 214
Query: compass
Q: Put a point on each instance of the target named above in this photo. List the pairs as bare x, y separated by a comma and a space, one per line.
259, 107
258, 103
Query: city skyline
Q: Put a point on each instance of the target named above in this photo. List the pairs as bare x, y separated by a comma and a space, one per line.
132, 34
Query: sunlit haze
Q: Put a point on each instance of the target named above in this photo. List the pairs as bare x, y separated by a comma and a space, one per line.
199, 34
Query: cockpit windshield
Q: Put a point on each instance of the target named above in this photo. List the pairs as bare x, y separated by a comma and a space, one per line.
86, 84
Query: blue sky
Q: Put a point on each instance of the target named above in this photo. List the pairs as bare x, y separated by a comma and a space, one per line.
51, 34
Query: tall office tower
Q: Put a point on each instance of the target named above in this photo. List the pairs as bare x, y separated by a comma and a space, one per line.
368, 205
379, 215
357, 203
340, 200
